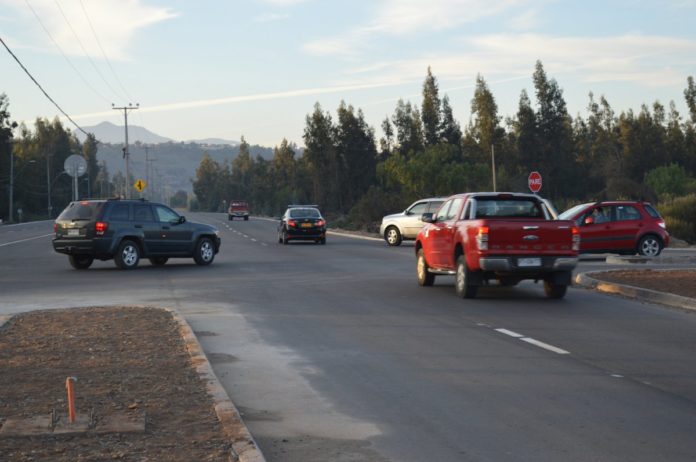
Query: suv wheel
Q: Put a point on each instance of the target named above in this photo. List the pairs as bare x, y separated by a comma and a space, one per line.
205, 251
128, 255
392, 236
81, 262
650, 246
425, 278
158, 261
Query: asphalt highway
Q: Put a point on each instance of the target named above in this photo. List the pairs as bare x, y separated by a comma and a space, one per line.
334, 353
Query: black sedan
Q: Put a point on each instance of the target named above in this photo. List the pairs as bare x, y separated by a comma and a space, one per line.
302, 222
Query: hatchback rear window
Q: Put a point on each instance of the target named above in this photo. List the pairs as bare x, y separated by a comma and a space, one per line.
81, 211
651, 211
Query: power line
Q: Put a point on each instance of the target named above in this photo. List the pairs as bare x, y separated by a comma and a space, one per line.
96, 38
84, 50
63, 53
41, 88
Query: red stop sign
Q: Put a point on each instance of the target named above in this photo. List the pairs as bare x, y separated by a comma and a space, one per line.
534, 182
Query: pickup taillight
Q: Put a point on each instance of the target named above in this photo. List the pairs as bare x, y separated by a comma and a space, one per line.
100, 228
576, 239
482, 238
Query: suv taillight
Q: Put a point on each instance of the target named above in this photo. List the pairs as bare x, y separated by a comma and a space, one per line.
576, 239
482, 238
100, 228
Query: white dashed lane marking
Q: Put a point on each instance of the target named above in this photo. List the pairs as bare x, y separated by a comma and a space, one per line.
532, 341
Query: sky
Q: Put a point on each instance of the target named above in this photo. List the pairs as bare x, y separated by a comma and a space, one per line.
255, 68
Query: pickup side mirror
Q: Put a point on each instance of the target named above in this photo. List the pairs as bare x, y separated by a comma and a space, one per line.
427, 218
588, 221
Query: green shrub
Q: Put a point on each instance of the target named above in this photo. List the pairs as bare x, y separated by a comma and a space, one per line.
680, 217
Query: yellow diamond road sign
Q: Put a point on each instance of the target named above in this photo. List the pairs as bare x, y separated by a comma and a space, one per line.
139, 185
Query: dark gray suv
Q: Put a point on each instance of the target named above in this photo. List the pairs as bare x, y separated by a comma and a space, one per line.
127, 230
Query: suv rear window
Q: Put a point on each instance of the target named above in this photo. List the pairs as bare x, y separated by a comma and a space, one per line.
81, 211
651, 211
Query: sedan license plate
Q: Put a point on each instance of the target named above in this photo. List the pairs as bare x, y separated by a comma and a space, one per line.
306, 225
73, 232
528, 262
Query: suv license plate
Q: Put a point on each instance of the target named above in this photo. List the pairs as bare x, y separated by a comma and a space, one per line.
527, 262
73, 232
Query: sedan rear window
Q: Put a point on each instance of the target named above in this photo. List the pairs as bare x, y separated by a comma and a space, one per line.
81, 211
304, 213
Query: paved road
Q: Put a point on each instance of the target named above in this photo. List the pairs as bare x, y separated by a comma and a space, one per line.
334, 353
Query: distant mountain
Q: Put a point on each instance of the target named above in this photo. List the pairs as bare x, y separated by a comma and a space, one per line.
215, 141
106, 132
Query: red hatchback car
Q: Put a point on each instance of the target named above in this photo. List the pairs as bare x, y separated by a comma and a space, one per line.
624, 227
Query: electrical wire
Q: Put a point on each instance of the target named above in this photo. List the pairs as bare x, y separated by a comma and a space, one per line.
40, 87
96, 38
66, 56
84, 50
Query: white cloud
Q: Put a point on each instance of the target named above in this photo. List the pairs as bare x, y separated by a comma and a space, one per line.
403, 17
283, 2
115, 22
271, 17
647, 60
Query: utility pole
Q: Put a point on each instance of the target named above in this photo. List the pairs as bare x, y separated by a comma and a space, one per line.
493, 165
126, 154
11, 215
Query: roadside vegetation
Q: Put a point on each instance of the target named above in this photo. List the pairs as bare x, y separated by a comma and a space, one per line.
424, 151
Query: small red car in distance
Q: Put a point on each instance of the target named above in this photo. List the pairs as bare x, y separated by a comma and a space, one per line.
238, 209
624, 227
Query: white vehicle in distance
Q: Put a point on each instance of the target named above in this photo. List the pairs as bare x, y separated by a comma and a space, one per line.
406, 225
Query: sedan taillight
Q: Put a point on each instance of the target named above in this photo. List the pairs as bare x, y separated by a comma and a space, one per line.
292, 223
320, 223
100, 228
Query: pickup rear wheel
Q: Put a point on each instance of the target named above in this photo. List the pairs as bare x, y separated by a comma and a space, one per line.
425, 278
392, 236
554, 290
462, 282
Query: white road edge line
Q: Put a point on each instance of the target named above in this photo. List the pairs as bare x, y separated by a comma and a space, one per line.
510, 333
545, 346
25, 240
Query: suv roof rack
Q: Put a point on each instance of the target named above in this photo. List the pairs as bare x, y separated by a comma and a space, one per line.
290, 206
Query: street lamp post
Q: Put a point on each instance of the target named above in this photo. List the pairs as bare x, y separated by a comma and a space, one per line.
12, 178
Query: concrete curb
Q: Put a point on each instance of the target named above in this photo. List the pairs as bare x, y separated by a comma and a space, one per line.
677, 301
244, 448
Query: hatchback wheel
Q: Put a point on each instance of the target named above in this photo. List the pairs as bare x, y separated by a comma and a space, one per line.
205, 251
81, 262
392, 236
128, 255
650, 246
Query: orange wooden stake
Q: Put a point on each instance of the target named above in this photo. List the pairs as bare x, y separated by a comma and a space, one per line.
70, 385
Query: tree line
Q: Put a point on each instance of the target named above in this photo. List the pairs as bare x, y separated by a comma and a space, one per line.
424, 151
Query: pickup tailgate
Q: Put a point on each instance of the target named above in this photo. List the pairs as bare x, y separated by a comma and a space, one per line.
530, 237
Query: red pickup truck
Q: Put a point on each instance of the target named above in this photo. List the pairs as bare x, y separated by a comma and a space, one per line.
508, 237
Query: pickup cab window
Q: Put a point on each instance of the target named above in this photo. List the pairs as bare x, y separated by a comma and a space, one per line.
508, 208
454, 209
442, 213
